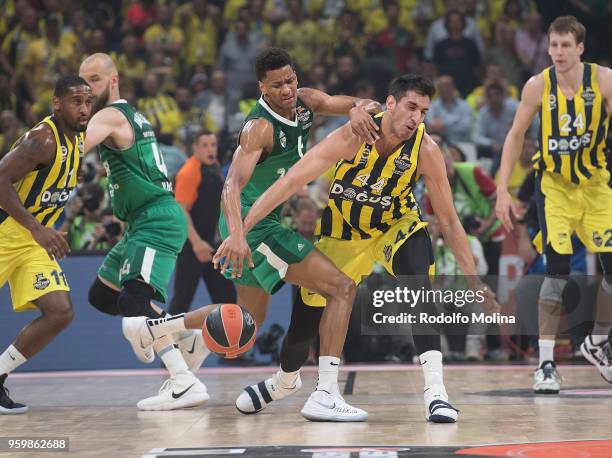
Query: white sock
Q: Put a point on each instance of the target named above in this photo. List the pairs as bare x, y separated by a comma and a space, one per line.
547, 350
600, 333
10, 360
328, 373
287, 378
160, 327
431, 363
173, 360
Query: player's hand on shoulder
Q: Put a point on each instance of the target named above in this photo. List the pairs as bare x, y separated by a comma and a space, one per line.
54, 242
232, 253
363, 124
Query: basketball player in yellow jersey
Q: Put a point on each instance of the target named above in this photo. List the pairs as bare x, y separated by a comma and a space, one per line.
36, 179
373, 217
574, 101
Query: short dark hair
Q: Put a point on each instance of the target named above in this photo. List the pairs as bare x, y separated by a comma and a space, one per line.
65, 83
201, 133
271, 59
568, 24
410, 82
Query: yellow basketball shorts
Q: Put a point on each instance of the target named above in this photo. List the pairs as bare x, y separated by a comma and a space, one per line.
565, 208
356, 258
27, 267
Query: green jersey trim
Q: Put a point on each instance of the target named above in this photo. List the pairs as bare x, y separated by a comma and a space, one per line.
276, 115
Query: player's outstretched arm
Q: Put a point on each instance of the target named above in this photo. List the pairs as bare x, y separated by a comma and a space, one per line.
340, 144
359, 111
101, 126
256, 136
36, 149
431, 166
528, 107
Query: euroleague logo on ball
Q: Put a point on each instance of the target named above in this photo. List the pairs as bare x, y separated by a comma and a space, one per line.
229, 331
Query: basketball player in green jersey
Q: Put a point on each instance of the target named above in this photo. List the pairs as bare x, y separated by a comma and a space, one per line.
274, 138
139, 267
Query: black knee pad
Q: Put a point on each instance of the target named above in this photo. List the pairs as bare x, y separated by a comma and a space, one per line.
302, 330
104, 298
135, 299
557, 264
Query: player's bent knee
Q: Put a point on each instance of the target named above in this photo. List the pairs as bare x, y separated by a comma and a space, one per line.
135, 300
345, 289
103, 298
60, 314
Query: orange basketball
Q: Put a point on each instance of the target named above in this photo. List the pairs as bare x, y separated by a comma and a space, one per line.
229, 330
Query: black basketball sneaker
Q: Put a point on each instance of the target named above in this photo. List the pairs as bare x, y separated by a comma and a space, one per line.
7, 406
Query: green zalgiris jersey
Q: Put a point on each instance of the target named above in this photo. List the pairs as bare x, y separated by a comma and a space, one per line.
137, 175
290, 139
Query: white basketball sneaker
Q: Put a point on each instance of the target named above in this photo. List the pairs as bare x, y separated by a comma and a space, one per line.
546, 379
255, 398
325, 406
437, 407
181, 391
192, 347
137, 333
599, 356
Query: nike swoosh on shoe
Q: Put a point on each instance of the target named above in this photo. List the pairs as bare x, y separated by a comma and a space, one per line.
178, 395
192, 346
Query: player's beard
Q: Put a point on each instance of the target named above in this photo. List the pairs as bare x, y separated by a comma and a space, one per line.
102, 99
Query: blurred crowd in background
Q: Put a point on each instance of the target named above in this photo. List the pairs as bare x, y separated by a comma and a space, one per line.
189, 67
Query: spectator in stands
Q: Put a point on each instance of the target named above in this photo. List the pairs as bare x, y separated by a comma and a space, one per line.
96, 42
192, 119
139, 16
503, 53
493, 74
395, 43
106, 234
474, 195
11, 128
43, 63
17, 40
162, 35
8, 97
449, 114
458, 55
200, 21
262, 32
531, 44
237, 58
346, 77
198, 190
76, 34
216, 100
439, 31
345, 37
158, 107
493, 123
299, 36
83, 214
130, 65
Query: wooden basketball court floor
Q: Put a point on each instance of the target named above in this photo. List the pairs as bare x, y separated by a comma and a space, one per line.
97, 412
